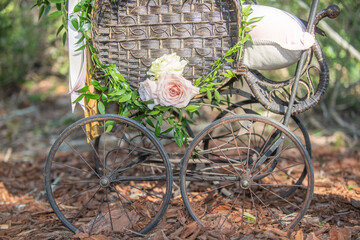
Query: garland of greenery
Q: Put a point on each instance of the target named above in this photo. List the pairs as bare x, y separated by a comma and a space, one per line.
117, 88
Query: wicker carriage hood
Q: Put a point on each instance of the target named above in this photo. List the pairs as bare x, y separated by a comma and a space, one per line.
134, 33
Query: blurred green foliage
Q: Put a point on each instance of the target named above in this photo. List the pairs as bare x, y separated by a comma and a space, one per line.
19, 42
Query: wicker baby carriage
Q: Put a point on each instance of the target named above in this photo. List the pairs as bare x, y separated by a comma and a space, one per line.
242, 171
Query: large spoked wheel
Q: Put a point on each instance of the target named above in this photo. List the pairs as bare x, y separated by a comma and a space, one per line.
119, 182
240, 179
252, 106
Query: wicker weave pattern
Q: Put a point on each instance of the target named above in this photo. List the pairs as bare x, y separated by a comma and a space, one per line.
133, 33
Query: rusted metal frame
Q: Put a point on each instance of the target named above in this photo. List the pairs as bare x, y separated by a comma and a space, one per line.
309, 28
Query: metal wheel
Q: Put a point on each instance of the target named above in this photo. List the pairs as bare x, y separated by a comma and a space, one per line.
252, 106
240, 179
120, 181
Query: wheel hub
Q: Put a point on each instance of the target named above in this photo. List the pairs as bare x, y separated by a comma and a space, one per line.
104, 182
245, 183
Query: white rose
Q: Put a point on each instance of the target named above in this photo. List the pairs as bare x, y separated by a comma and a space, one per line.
169, 63
147, 92
174, 90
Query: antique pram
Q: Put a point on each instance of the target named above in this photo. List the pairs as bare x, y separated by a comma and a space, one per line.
242, 170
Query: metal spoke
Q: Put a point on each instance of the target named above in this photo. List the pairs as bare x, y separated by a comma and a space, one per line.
90, 142
78, 169
227, 215
279, 197
85, 206
132, 204
104, 136
253, 203
227, 158
280, 185
97, 214
283, 169
214, 189
82, 158
77, 194
248, 152
78, 182
220, 166
126, 158
270, 161
237, 148
267, 140
122, 204
108, 205
271, 174
267, 207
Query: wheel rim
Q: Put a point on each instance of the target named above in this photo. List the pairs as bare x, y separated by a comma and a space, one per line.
117, 180
227, 189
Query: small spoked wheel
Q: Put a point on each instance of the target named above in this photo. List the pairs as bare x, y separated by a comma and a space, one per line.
243, 177
108, 173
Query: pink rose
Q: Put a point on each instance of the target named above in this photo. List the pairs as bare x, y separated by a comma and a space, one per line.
147, 92
174, 90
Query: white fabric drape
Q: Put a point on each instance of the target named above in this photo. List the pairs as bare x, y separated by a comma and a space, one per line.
77, 59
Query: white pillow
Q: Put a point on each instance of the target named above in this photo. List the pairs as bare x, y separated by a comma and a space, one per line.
278, 39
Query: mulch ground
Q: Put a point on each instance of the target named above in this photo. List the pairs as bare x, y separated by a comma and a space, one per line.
333, 214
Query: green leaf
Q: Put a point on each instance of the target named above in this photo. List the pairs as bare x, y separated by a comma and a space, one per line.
208, 93
160, 119
85, 27
217, 95
79, 98
104, 98
192, 108
157, 129
56, 14
80, 40
41, 11
47, 10
83, 90
229, 60
155, 112
167, 131
245, 39
109, 126
125, 98
59, 30
64, 38
74, 21
97, 85
57, 1
148, 121
89, 96
178, 137
81, 48
101, 107
77, 8
229, 73
134, 100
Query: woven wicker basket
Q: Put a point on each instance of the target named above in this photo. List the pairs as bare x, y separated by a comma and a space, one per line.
133, 33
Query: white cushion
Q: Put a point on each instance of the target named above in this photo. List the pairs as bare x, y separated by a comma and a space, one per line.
278, 39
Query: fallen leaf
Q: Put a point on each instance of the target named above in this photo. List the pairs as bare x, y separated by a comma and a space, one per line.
299, 235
